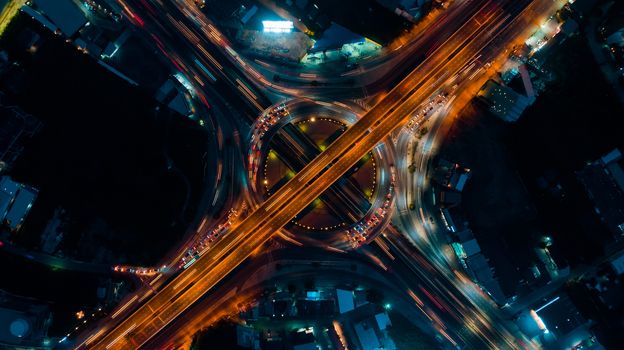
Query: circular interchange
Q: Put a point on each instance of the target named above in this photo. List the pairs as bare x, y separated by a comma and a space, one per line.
321, 131
355, 209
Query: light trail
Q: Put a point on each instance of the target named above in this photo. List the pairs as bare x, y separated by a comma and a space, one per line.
121, 309
260, 225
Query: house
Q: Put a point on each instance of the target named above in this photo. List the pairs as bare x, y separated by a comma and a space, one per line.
15, 202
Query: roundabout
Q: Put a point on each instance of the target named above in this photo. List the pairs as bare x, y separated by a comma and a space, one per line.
350, 213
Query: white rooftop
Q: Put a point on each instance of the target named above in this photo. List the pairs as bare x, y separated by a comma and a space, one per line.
366, 335
345, 300
383, 321
64, 13
618, 265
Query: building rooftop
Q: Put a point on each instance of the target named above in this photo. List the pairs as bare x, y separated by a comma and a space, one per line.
15, 201
383, 320
471, 247
560, 315
9, 186
618, 264
366, 335
483, 274
304, 340
503, 102
23, 322
247, 337
20, 207
307, 346
345, 300
450, 175
15, 128
64, 13
335, 37
604, 183
14, 326
290, 47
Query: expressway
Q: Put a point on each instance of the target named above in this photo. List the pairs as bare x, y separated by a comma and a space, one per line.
369, 78
260, 272
433, 288
178, 38
467, 40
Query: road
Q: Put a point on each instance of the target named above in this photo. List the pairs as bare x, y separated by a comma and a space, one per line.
326, 270
366, 79
179, 38
467, 40
477, 326
55, 262
427, 233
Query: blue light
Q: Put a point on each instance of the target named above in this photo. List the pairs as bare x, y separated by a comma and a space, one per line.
547, 304
189, 263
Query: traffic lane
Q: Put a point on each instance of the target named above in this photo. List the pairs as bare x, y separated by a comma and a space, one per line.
410, 58
179, 299
170, 38
457, 8
245, 283
335, 169
283, 221
343, 167
443, 296
289, 213
168, 293
217, 50
440, 318
445, 289
406, 58
411, 82
159, 302
334, 269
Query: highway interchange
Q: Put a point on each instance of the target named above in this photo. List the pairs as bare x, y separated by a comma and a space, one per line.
436, 60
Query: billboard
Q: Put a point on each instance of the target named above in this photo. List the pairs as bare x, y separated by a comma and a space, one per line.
277, 26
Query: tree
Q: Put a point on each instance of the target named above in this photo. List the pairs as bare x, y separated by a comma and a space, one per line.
308, 284
374, 296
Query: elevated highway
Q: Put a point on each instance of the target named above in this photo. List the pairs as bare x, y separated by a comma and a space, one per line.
437, 70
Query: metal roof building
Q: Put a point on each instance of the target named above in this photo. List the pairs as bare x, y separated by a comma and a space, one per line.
15, 202
63, 13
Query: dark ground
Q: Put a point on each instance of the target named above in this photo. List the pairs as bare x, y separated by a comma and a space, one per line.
355, 15
578, 119
407, 336
222, 335
141, 64
103, 155
575, 121
67, 292
610, 322
495, 200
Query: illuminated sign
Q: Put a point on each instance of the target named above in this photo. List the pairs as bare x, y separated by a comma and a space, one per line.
277, 26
